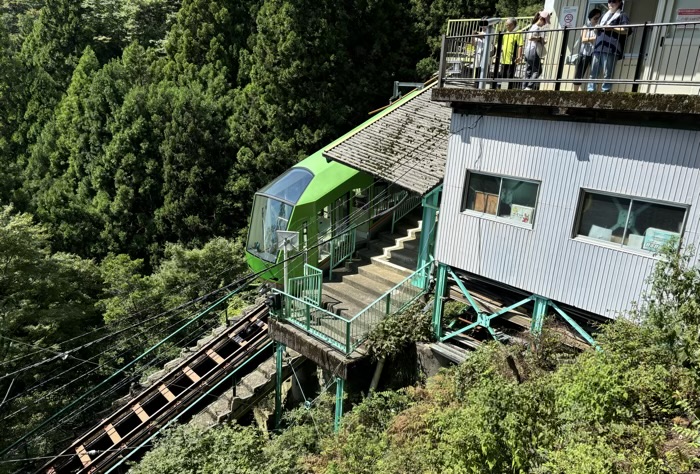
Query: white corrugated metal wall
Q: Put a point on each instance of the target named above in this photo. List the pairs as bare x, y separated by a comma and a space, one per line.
653, 163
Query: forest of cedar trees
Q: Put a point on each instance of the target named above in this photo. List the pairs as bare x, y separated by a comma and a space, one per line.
133, 135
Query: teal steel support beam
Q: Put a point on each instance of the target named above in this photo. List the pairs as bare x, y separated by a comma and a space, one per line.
466, 293
339, 392
539, 312
575, 325
484, 320
426, 245
279, 361
440, 286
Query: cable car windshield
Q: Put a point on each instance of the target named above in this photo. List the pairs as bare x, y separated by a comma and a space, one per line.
290, 186
269, 216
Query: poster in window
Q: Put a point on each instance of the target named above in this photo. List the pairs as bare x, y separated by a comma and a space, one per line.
655, 239
521, 213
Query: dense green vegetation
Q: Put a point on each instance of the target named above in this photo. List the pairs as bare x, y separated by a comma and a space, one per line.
631, 407
133, 134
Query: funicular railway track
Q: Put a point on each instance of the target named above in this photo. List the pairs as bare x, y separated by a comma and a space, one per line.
106, 443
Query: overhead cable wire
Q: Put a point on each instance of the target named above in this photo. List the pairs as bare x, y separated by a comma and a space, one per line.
86, 374
245, 280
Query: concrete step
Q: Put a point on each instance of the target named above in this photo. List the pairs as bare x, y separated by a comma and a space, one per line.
367, 285
390, 240
370, 252
249, 390
382, 274
404, 225
384, 262
348, 294
407, 259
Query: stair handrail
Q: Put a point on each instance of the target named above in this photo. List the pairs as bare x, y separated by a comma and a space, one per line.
351, 336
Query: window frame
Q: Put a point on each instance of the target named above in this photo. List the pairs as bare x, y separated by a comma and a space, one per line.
496, 217
620, 246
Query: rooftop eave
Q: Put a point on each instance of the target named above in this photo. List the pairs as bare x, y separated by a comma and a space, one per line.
674, 110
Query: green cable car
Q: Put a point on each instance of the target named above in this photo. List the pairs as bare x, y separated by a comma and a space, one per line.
315, 198
330, 205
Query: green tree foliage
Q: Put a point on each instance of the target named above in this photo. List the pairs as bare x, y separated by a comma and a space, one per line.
233, 448
315, 69
212, 34
431, 16
50, 53
9, 115
46, 299
148, 21
631, 407
518, 7
174, 292
190, 450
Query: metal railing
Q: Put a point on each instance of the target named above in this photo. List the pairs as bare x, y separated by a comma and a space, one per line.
471, 26
410, 202
384, 198
656, 58
342, 248
347, 333
307, 287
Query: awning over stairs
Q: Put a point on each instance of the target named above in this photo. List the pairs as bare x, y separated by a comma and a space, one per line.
407, 145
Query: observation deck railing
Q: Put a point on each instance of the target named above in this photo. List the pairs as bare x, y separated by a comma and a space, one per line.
471, 26
657, 58
347, 333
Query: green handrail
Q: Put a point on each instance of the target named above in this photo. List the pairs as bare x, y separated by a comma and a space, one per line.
346, 334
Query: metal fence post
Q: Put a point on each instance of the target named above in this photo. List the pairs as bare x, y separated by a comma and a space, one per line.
439, 293
279, 360
441, 68
562, 58
642, 57
497, 63
339, 390
348, 332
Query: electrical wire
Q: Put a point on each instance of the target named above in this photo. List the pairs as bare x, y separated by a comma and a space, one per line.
41, 458
133, 315
244, 281
86, 374
320, 242
103, 338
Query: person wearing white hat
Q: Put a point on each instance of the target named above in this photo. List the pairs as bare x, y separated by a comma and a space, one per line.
535, 49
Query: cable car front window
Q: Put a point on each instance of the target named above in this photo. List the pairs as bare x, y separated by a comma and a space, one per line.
290, 186
269, 216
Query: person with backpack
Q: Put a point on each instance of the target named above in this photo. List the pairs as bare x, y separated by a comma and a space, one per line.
609, 44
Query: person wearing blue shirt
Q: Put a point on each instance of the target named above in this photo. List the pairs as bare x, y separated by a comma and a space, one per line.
609, 44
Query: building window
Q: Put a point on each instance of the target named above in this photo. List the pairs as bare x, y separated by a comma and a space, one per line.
504, 198
629, 222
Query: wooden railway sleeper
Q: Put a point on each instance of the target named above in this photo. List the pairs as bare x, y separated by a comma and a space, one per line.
167, 408
122, 414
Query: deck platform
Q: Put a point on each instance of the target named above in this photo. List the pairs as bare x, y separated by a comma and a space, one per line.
322, 354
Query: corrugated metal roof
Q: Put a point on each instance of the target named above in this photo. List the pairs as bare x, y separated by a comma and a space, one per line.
407, 146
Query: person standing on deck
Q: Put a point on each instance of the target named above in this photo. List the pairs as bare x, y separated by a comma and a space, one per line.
585, 53
609, 44
534, 50
511, 50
